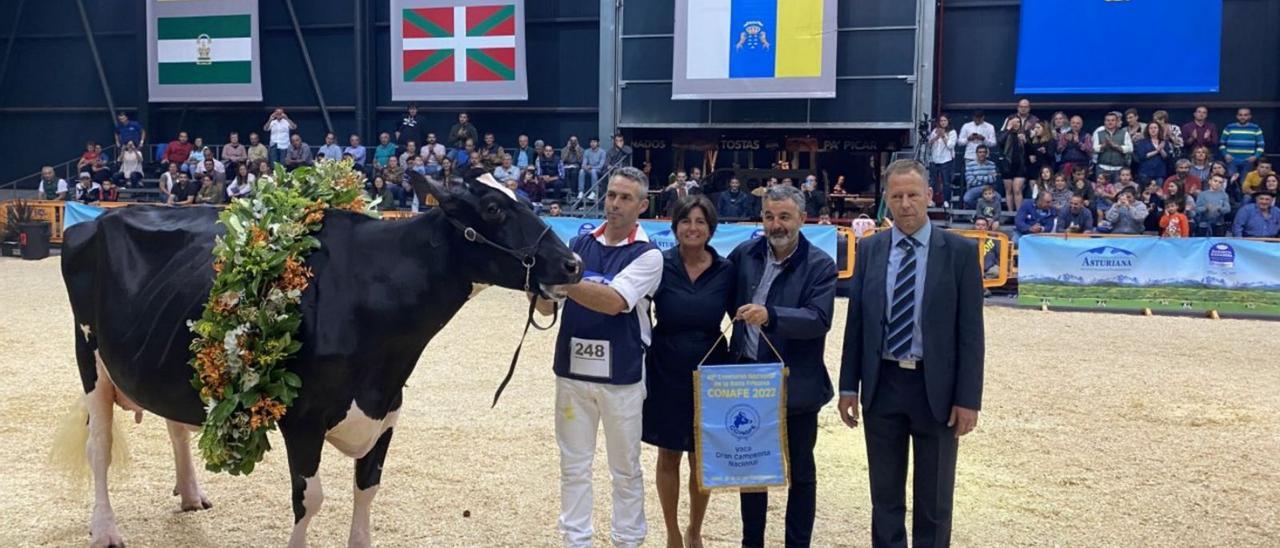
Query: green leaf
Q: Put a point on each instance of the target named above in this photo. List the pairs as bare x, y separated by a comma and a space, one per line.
292, 379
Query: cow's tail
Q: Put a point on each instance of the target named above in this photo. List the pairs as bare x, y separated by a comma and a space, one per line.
69, 452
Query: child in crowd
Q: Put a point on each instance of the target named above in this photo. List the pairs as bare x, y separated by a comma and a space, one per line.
1104, 194
1061, 194
988, 205
1174, 224
1081, 186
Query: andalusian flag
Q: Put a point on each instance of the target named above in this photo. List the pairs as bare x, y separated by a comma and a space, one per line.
203, 50
457, 49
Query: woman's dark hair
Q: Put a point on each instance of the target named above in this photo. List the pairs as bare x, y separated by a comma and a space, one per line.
686, 206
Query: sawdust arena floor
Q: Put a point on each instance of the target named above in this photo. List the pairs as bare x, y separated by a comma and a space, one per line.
1098, 430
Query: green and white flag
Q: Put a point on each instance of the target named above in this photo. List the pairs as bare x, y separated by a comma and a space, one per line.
205, 50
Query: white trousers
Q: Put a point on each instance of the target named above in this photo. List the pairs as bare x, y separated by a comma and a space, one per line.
580, 408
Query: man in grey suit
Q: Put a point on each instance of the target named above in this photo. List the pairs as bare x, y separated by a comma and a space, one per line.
913, 351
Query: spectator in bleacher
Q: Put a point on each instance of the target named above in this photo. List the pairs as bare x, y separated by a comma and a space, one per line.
210, 168
463, 131
381, 192
1104, 193
490, 151
211, 191
1075, 147
532, 185
1060, 123
1080, 185
168, 180
99, 172
330, 148
696, 180
298, 154
1242, 144
1042, 151
1013, 164
1258, 219
1182, 174
1271, 183
1060, 191
86, 191
410, 129
523, 155
824, 217
1153, 197
129, 131
1154, 152
131, 162
815, 200
1125, 180
263, 169
1200, 132
1174, 224
242, 184
176, 152
1075, 217
1026, 120
393, 174
356, 151
1112, 145
734, 203
1134, 126
1127, 216
506, 171
1172, 133
1253, 181
410, 152
554, 210
988, 204
551, 173
942, 155
1035, 216
979, 173
88, 156
620, 154
462, 156
976, 133
109, 192
1229, 185
593, 163
279, 125
1214, 206
433, 153
196, 158
257, 152
514, 186
209, 163
1200, 164
233, 151
183, 191
676, 191
384, 151
1040, 182
571, 156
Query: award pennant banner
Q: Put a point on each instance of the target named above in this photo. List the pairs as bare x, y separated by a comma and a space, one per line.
449, 50
740, 417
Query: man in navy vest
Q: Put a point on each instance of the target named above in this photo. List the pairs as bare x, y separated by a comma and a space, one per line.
786, 290
599, 363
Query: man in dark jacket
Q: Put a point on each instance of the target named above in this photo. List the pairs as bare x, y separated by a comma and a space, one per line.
736, 204
785, 292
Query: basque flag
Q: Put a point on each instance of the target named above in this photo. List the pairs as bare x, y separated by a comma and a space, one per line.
456, 42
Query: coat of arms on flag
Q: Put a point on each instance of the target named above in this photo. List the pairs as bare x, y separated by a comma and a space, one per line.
203, 49
457, 50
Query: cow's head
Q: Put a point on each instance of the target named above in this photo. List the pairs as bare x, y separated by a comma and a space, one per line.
505, 243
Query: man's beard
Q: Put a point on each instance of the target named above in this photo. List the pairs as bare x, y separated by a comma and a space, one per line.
781, 238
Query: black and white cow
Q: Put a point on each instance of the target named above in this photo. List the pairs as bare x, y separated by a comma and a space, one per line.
380, 291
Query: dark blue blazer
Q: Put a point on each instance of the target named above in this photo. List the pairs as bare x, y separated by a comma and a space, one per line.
951, 322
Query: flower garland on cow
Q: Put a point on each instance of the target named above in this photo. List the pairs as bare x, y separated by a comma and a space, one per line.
247, 330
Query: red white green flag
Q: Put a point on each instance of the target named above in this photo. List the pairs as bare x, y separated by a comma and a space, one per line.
457, 50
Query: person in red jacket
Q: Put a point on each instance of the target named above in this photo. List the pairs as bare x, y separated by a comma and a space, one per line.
1174, 224
177, 152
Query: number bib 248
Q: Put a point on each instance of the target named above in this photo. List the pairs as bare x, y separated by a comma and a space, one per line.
590, 358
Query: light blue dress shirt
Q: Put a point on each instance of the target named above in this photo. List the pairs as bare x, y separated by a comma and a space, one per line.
896, 254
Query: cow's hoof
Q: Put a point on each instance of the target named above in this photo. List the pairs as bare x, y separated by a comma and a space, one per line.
106, 536
196, 503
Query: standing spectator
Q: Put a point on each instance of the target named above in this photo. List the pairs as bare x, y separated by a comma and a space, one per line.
129, 131
1112, 145
233, 151
1075, 218
1133, 125
611, 314
975, 133
298, 154
734, 203
257, 152
1042, 151
1013, 166
1258, 219
506, 170
571, 157
279, 125
463, 131
786, 290
978, 174
385, 150
1026, 120
1154, 154
242, 184
330, 148
86, 191
1075, 146
524, 155
1127, 216
815, 200
410, 129
355, 150
51, 186
942, 155
551, 173
620, 154
690, 303
1182, 174
593, 162
131, 162
211, 192
1174, 224
433, 153
1242, 144
1172, 133
1200, 164
177, 151
168, 180
1035, 217
1253, 181
1214, 206
1061, 124
1060, 191
1200, 132
182, 192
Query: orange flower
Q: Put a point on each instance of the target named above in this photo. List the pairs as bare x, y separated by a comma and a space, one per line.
226, 303
217, 266
356, 205
265, 413
258, 235
213, 370
295, 275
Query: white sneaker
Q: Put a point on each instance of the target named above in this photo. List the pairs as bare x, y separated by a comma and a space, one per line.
579, 196
592, 196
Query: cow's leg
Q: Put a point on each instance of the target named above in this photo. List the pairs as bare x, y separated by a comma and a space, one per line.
102, 526
187, 486
304, 448
368, 477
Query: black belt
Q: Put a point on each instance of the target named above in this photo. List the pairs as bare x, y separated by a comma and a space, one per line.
906, 365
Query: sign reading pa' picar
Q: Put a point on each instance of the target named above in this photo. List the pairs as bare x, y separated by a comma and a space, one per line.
739, 415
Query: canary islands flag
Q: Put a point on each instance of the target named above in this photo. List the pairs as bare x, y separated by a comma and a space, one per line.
754, 49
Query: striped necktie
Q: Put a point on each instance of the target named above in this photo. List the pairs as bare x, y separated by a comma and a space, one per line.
902, 311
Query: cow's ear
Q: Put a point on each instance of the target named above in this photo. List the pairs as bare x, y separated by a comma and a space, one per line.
423, 187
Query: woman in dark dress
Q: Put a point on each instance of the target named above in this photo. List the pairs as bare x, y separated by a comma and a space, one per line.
690, 306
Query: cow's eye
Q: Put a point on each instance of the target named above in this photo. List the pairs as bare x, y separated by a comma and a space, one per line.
494, 210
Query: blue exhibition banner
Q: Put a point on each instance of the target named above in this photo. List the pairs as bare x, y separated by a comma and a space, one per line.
1194, 274
76, 213
727, 237
739, 413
